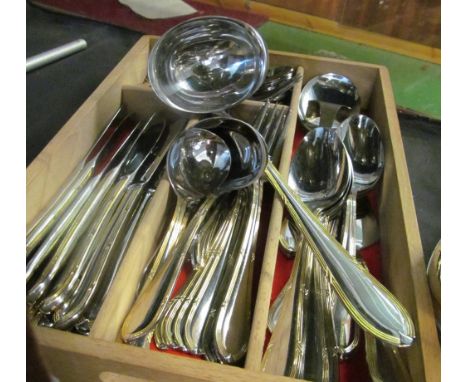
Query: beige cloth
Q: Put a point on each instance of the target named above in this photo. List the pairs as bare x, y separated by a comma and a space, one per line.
159, 9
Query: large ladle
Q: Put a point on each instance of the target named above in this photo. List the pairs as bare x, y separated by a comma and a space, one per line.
370, 304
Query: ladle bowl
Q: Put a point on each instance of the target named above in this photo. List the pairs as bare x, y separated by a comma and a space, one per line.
198, 163
207, 64
247, 148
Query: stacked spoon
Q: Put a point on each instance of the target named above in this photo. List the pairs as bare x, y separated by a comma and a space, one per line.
210, 315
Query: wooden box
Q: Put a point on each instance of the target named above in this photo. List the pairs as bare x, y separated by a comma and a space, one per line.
72, 357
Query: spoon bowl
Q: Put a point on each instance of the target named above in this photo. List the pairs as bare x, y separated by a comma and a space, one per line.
247, 152
362, 139
327, 98
198, 163
320, 171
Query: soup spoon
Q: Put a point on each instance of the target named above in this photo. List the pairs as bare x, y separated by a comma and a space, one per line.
326, 98
371, 305
321, 174
362, 139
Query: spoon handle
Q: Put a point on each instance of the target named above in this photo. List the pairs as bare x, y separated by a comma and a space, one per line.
371, 305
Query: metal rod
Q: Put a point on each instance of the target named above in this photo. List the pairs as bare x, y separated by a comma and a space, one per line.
55, 54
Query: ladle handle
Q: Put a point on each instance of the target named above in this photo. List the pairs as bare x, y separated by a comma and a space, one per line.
370, 304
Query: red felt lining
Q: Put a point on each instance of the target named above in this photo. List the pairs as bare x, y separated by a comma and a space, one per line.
115, 13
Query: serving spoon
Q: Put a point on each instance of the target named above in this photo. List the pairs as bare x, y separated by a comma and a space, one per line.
363, 142
371, 305
326, 98
321, 174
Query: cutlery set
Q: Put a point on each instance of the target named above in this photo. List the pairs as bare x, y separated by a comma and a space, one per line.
217, 168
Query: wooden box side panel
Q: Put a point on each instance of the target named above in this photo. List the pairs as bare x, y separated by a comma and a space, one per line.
49, 171
72, 357
402, 255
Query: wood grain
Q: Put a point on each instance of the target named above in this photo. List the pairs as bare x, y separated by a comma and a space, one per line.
402, 254
75, 358
356, 15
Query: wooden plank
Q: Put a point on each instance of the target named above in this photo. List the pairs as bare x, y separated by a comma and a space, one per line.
73, 357
402, 254
333, 28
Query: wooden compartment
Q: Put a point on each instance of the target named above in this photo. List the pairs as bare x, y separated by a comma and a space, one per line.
100, 356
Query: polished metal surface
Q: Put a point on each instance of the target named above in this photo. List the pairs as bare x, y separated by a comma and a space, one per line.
277, 82
247, 147
88, 250
380, 313
55, 54
84, 171
320, 172
302, 343
198, 163
288, 238
207, 64
367, 231
326, 98
385, 362
86, 245
242, 150
81, 209
151, 303
211, 314
363, 141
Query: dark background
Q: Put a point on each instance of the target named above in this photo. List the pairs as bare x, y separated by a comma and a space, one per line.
55, 92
